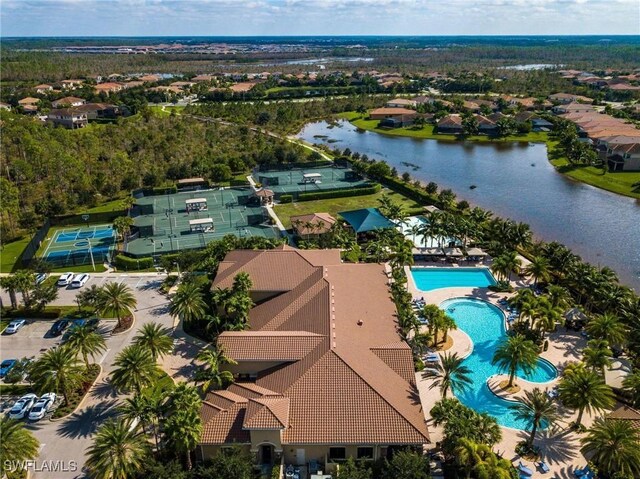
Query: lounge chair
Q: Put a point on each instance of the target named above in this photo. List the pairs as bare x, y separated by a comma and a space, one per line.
522, 469
543, 467
580, 472
432, 358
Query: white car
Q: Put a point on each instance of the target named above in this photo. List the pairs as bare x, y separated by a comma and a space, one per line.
14, 326
79, 280
42, 406
40, 277
65, 279
22, 406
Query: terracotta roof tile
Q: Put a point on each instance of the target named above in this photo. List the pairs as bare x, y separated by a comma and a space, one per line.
268, 345
267, 413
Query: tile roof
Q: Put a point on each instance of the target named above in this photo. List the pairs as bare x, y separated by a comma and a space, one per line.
320, 223
345, 375
450, 121
392, 111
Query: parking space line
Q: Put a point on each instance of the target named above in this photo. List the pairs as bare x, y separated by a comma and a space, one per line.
104, 356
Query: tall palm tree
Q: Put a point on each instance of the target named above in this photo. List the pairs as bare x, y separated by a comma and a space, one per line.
155, 338
87, 342
10, 285
585, 390
607, 327
17, 444
538, 269
466, 455
183, 427
134, 369
210, 373
188, 303
597, 354
118, 451
537, 410
453, 375
613, 446
559, 296
446, 324
516, 352
58, 370
631, 385
118, 299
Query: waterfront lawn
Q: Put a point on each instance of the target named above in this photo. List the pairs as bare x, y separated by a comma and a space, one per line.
427, 132
10, 254
335, 205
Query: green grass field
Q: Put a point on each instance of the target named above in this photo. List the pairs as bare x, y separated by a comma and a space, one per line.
166, 110
10, 253
335, 205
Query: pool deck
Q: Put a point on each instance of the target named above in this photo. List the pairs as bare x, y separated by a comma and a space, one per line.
560, 447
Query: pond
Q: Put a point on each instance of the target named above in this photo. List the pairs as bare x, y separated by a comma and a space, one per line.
514, 180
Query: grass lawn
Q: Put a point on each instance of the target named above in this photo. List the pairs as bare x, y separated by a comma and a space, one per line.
113, 205
14, 389
428, 132
335, 205
166, 110
11, 252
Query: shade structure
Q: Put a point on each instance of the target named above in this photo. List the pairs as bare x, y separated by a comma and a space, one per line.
366, 219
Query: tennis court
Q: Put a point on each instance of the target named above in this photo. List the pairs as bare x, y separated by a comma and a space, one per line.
294, 181
170, 223
76, 246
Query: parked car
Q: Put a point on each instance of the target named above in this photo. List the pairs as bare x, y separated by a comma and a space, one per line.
76, 323
15, 325
22, 406
65, 279
93, 323
42, 406
6, 366
59, 326
79, 280
40, 277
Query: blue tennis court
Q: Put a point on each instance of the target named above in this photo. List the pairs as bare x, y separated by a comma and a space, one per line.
86, 232
80, 246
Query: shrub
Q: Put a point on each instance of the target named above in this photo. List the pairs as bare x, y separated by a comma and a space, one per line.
132, 264
286, 199
501, 287
341, 193
47, 313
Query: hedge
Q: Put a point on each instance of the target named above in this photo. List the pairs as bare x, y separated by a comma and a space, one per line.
94, 218
132, 264
289, 166
341, 193
286, 199
47, 313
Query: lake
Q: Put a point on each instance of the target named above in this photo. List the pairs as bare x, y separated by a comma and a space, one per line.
513, 180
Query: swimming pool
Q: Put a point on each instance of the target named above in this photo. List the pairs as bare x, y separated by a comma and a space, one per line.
484, 324
428, 279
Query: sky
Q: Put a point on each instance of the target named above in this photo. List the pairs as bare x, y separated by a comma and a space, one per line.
317, 17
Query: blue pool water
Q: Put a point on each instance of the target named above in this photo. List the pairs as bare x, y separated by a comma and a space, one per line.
484, 323
428, 279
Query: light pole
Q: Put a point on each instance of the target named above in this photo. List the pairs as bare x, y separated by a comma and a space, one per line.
91, 254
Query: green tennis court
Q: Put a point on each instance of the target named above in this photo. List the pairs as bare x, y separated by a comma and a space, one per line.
190, 220
296, 180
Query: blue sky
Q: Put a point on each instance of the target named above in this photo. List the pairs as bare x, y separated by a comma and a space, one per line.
318, 17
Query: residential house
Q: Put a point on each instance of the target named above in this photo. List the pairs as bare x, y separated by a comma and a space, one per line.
540, 124
150, 78
321, 373
451, 124
624, 87
167, 89
399, 116
624, 157
68, 101
68, 118
573, 108
132, 84
471, 105
203, 78
44, 88
108, 88
5, 106
242, 87
71, 84
312, 225
486, 125
569, 98
182, 84
401, 103
28, 101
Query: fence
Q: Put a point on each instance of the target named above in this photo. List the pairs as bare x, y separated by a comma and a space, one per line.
32, 248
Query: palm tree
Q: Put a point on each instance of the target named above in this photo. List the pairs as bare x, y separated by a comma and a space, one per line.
607, 327
117, 452
537, 410
183, 426
10, 285
58, 370
585, 390
452, 375
118, 299
446, 324
559, 296
188, 303
123, 225
134, 369
631, 385
210, 373
155, 338
538, 269
613, 446
597, 354
466, 455
516, 352
17, 444
87, 342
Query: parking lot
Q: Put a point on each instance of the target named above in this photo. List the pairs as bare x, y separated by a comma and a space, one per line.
62, 440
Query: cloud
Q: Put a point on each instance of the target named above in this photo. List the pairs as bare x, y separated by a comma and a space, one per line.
317, 17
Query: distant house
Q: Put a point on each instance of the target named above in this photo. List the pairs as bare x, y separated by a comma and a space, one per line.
203, 78
624, 87
624, 157
68, 118
167, 89
182, 84
539, 124
401, 103
5, 106
44, 88
573, 108
524, 116
312, 225
471, 105
150, 78
451, 124
108, 88
28, 101
71, 84
132, 84
68, 101
496, 117
242, 87
569, 98
97, 111
486, 125
399, 116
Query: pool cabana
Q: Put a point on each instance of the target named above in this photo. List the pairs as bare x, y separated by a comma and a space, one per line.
367, 219
265, 196
202, 225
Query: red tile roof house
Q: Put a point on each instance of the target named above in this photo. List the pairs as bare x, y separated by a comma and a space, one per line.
44, 88
486, 125
450, 124
624, 157
68, 117
312, 225
321, 372
401, 103
68, 101
108, 87
403, 116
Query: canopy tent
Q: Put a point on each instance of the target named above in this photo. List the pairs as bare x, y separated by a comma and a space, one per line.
476, 252
366, 219
196, 204
311, 178
452, 252
201, 225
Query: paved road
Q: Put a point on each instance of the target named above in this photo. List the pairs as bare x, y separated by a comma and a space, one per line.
65, 441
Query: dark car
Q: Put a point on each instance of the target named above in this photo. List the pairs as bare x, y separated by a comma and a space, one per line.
93, 323
59, 326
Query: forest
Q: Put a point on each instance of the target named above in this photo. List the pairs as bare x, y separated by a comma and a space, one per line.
52, 171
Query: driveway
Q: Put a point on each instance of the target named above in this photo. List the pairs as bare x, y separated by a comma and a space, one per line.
63, 442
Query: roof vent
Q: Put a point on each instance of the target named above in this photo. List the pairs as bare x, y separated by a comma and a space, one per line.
360, 322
